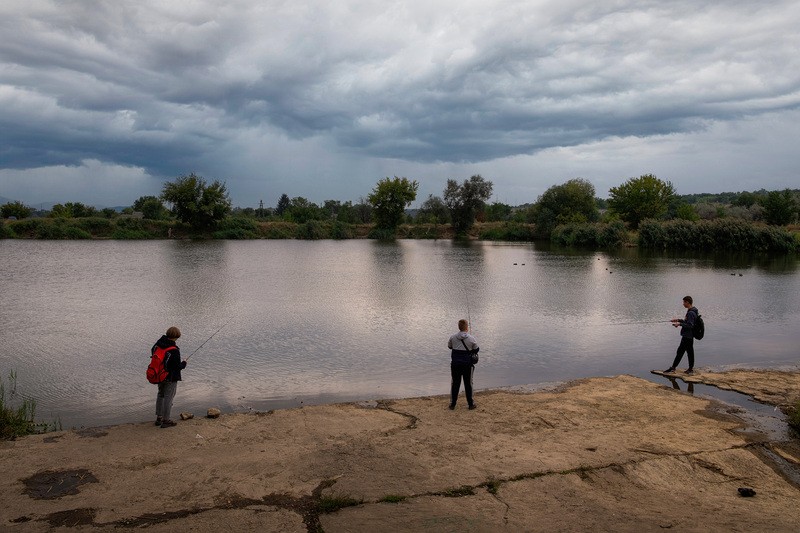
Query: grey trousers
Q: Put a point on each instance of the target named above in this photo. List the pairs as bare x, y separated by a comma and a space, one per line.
166, 393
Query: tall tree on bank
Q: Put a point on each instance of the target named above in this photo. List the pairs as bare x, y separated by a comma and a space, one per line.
570, 202
779, 207
433, 211
641, 198
389, 199
150, 207
283, 204
466, 201
196, 203
15, 209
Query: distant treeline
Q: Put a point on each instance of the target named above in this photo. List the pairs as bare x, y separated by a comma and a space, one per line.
643, 211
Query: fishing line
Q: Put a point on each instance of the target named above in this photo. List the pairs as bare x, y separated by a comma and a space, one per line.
208, 339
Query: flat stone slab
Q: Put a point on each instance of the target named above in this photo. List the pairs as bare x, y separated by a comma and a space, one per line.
601, 454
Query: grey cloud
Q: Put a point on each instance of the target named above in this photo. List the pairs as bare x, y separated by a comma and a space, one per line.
170, 86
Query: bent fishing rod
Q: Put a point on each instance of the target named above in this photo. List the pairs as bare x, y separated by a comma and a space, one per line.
208, 339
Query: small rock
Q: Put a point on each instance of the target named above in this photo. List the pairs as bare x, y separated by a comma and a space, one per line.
746, 492
186, 416
213, 413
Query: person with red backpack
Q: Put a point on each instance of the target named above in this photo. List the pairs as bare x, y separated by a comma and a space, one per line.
166, 368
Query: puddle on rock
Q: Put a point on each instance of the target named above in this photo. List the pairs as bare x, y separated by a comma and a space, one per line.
761, 417
51, 485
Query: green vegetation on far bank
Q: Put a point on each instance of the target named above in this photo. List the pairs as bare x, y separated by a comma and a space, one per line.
704, 235
643, 211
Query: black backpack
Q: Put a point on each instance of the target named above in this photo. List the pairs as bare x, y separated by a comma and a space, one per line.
699, 329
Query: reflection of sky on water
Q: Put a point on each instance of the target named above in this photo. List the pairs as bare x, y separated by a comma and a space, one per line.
329, 320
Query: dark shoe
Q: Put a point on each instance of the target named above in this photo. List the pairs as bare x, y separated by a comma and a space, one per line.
451, 406
168, 423
473, 406
159, 420
670, 370
689, 371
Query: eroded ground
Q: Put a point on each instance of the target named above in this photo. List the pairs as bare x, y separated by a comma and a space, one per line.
603, 454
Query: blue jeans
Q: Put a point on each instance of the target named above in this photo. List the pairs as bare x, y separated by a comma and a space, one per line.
166, 393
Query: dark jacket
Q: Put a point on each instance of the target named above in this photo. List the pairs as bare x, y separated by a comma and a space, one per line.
687, 324
172, 361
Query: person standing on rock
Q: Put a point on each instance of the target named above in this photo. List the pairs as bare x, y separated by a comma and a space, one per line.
168, 387
462, 345
687, 335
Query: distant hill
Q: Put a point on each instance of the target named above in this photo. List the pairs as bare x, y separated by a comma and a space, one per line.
4, 200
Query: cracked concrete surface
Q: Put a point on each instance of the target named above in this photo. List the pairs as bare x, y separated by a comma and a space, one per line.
602, 454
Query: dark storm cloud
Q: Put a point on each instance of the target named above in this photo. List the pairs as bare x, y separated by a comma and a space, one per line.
170, 87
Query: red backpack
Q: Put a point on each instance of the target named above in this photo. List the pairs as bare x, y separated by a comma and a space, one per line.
156, 370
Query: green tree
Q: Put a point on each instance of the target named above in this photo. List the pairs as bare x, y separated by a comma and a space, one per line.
60, 211
433, 211
346, 214
151, 208
747, 199
196, 203
779, 207
301, 210
15, 209
498, 212
389, 199
641, 198
569, 203
80, 210
72, 210
686, 212
283, 204
331, 208
466, 201
362, 211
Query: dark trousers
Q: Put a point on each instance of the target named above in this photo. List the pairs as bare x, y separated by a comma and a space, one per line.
459, 371
686, 347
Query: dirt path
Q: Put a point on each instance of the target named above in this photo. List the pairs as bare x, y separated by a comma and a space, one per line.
602, 454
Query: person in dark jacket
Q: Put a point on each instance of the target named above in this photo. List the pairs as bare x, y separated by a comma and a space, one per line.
462, 346
687, 335
168, 387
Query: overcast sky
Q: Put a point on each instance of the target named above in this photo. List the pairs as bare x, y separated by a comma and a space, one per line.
102, 102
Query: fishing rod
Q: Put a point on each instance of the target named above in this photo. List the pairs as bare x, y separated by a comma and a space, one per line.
208, 339
635, 323
469, 318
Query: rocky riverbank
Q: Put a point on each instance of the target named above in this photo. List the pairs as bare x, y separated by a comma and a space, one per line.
601, 454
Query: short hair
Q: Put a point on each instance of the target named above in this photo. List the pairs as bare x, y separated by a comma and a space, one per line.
463, 325
173, 333
688, 299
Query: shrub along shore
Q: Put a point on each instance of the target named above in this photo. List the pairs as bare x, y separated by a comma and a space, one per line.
711, 235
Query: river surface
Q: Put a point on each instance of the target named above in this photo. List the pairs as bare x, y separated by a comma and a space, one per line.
306, 322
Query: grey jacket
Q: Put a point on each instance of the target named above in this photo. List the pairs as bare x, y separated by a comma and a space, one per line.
459, 352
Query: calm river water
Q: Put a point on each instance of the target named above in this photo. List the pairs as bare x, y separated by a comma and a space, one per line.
322, 321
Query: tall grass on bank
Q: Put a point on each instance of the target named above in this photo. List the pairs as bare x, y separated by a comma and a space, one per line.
88, 228
595, 235
506, 231
719, 234
17, 420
